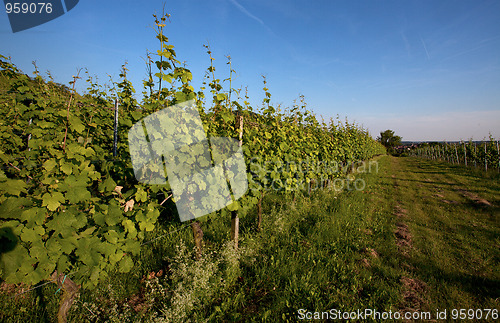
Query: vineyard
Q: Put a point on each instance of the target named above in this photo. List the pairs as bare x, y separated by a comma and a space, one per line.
71, 208
484, 155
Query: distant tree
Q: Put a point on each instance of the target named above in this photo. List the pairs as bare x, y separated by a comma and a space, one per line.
389, 140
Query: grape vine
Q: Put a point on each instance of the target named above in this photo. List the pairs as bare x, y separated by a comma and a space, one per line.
68, 205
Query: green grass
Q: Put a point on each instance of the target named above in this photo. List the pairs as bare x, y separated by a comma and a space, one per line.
324, 251
456, 235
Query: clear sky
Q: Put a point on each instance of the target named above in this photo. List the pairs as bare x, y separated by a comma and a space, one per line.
430, 70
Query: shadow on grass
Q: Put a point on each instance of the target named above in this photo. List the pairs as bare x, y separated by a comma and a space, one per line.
479, 287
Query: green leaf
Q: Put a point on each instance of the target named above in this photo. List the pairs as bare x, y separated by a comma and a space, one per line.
136, 114
67, 168
125, 265
76, 151
99, 218
132, 246
64, 223
33, 215
39, 251
140, 217
115, 214
107, 249
130, 228
52, 200
73, 181
76, 124
74, 217
86, 252
32, 235
12, 207
88, 171
76, 188
114, 258
53, 246
13, 186
165, 53
87, 232
111, 236
49, 165
89, 152
108, 185
62, 263
233, 206
12, 260
148, 226
78, 194
180, 96
67, 246
141, 195
35, 276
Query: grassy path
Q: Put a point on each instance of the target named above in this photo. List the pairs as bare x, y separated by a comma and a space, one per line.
448, 230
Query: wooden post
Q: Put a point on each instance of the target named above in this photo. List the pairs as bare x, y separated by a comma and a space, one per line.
235, 221
29, 136
198, 237
259, 212
69, 291
475, 155
235, 228
115, 133
465, 155
498, 154
485, 159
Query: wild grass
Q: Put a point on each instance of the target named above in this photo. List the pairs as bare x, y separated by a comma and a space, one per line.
317, 252
453, 215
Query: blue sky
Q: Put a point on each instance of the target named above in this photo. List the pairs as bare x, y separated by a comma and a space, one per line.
430, 70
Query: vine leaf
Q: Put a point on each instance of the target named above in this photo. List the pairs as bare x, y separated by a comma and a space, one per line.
33, 215
115, 257
130, 228
52, 200
49, 164
32, 235
13, 186
125, 264
10, 208
76, 124
141, 195
233, 206
66, 168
